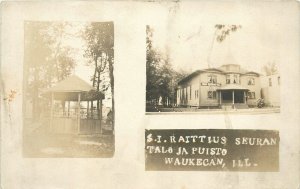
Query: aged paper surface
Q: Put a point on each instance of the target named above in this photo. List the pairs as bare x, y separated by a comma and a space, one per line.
271, 34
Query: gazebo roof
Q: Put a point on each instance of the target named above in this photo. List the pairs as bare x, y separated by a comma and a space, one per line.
71, 84
69, 88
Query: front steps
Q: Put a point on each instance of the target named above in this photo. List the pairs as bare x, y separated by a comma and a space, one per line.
235, 106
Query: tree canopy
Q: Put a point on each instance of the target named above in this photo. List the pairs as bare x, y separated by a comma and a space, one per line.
46, 60
270, 68
99, 38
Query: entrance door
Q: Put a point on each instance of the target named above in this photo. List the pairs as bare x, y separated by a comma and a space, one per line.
226, 97
238, 96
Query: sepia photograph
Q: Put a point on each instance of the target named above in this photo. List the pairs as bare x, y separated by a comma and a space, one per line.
68, 85
150, 94
212, 68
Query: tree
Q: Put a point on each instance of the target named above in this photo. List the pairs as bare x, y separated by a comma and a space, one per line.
225, 30
220, 34
99, 38
45, 61
153, 59
270, 68
162, 79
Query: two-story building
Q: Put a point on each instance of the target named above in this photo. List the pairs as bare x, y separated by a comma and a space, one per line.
228, 85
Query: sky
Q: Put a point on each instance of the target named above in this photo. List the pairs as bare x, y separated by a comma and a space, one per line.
187, 33
75, 41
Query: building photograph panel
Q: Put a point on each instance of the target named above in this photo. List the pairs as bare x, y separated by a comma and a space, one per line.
68, 89
211, 67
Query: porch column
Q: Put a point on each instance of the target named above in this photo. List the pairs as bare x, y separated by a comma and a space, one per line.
220, 98
232, 97
78, 113
88, 109
245, 101
51, 112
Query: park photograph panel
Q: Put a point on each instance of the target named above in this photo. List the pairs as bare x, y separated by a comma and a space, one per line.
68, 104
212, 67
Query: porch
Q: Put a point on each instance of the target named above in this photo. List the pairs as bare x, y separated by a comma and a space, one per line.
232, 97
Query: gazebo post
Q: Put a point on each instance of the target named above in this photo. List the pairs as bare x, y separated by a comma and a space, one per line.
51, 113
91, 108
63, 103
78, 113
88, 109
68, 108
100, 114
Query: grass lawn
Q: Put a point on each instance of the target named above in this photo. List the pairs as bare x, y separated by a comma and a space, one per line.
42, 145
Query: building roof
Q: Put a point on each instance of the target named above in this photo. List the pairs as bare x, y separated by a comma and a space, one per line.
220, 69
195, 73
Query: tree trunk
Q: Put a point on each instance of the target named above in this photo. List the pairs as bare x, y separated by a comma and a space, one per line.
98, 89
95, 71
111, 76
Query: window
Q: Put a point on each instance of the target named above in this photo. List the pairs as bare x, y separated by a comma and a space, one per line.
278, 80
212, 79
270, 82
251, 95
190, 92
235, 79
251, 81
212, 95
227, 79
196, 94
181, 94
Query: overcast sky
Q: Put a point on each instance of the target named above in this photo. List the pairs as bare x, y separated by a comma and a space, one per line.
187, 31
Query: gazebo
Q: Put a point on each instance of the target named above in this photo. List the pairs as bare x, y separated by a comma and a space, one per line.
82, 117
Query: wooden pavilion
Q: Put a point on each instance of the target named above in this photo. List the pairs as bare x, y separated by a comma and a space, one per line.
79, 118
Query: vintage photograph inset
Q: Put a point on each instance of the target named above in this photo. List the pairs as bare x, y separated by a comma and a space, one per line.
68, 101
212, 68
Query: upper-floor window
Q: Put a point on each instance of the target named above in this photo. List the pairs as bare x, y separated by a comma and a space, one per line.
227, 79
235, 78
212, 79
251, 81
270, 82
